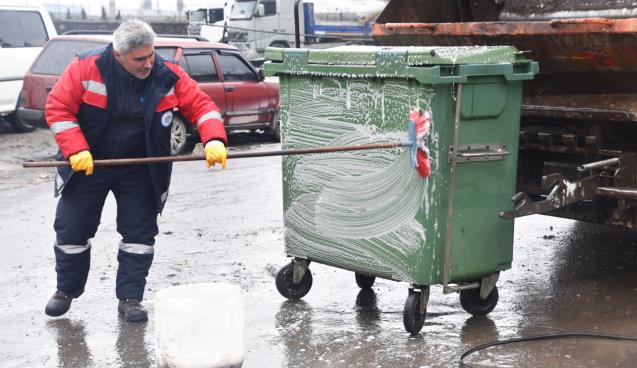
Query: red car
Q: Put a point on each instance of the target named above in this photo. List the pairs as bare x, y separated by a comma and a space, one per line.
247, 102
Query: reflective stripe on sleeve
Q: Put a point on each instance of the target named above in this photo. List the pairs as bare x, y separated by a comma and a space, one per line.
62, 126
210, 115
95, 87
136, 248
73, 248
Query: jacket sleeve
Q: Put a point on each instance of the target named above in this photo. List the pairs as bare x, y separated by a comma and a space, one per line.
61, 111
199, 109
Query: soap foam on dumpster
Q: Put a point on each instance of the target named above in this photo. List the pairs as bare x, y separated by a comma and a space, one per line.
385, 199
358, 205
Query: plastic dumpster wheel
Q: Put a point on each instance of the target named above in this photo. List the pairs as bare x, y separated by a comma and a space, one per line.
412, 318
470, 301
286, 287
365, 282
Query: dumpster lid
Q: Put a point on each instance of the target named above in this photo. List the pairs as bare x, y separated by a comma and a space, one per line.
408, 56
432, 65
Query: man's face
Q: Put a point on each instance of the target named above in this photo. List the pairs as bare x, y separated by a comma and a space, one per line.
138, 62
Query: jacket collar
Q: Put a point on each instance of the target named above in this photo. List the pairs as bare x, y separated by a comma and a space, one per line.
161, 76
162, 79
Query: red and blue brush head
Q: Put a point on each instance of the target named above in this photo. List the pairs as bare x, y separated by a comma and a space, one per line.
419, 128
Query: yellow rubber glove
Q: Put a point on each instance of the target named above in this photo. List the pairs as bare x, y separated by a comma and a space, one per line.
216, 153
82, 161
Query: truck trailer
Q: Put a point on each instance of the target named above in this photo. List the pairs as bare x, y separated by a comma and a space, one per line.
577, 152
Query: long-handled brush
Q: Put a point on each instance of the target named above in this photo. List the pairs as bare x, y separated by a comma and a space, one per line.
418, 126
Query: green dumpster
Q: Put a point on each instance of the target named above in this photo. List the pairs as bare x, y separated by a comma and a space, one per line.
369, 211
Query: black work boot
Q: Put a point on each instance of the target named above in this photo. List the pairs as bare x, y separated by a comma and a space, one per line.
132, 310
60, 303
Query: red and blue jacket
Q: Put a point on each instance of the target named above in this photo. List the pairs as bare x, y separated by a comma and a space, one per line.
80, 106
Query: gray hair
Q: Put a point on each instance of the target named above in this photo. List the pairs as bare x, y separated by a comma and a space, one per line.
132, 34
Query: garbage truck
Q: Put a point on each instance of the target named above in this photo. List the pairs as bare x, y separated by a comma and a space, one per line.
577, 151
254, 25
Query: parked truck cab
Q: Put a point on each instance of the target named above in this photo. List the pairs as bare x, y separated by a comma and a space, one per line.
254, 25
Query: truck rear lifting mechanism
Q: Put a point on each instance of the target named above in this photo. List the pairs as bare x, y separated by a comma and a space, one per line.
576, 154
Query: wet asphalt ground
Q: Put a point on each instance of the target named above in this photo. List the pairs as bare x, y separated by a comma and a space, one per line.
226, 226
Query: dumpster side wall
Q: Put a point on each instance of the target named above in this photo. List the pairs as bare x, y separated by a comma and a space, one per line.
362, 211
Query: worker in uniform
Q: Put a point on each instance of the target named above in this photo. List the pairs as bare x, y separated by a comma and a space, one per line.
114, 102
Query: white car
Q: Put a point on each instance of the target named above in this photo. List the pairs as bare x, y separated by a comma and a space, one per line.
24, 29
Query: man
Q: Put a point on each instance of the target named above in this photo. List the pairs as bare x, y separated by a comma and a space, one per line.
116, 102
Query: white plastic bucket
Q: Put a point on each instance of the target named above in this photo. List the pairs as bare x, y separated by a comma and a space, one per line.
200, 326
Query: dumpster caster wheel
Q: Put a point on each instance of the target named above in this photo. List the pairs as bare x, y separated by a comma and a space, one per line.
365, 282
413, 318
471, 302
287, 288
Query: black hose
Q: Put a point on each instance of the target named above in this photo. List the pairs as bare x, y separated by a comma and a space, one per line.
541, 337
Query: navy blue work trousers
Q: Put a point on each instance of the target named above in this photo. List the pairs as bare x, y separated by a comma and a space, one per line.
78, 216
